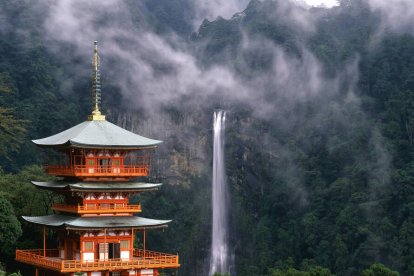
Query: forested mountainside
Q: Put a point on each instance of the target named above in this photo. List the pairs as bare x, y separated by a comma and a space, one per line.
319, 137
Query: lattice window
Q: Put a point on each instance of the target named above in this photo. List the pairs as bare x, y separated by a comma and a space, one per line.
125, 244
88, 245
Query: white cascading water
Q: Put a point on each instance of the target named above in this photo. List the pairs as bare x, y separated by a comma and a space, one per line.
219, 260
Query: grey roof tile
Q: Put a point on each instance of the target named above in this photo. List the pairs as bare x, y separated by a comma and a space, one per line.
97, 134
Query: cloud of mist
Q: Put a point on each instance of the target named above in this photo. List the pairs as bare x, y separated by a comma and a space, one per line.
149, 69
153, 71
210, 10
396, 15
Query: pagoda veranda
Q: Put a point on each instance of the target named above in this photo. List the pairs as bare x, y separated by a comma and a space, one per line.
101, 166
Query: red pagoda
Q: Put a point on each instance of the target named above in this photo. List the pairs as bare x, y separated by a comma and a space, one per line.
99, 164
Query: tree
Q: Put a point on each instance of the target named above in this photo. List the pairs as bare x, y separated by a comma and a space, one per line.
10, 229
314, 271
12, 130
379, 270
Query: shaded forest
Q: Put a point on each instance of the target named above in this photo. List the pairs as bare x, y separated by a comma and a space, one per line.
319, 140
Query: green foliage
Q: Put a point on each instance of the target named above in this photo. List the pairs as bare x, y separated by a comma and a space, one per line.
313, 271
24, 196
12, 130
221, 274
10, 229
379, 270
25, 199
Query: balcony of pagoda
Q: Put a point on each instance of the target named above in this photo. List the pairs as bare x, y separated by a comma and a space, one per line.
97, 209
82, 171
49, 259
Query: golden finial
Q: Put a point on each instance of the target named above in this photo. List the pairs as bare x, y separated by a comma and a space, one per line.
96, 88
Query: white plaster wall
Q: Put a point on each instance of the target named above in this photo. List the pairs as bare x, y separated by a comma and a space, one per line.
148, 272
88, 257
124, 233
125, 255
96, 274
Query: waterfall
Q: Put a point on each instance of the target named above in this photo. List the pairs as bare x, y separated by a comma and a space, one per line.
219, 259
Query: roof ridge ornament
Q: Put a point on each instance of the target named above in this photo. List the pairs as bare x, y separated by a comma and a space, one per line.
96, 88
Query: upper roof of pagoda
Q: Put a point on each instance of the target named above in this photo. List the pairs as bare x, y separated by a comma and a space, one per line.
96, 132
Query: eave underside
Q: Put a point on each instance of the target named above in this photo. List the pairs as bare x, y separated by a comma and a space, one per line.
97, 186
96, 223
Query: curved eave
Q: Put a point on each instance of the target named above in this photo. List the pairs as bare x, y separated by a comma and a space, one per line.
70, 143
94, 146
70, 222
60, 145
120, 187
50, 185
85, 186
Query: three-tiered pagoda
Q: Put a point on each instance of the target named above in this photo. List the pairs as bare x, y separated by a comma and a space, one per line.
99, 164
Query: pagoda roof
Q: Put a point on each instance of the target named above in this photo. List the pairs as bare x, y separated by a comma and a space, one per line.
98, 186
72, 222
97, 134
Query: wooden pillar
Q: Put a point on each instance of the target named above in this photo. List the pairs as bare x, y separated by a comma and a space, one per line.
132, 243
37, 272
105, 246
144, 241
65, 248
44, 240
81, 247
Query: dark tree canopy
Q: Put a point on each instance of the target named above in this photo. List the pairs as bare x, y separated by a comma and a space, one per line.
10, 229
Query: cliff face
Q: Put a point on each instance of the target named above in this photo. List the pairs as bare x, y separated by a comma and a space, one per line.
185, 151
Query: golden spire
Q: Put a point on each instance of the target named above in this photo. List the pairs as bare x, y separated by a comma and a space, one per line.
96, 88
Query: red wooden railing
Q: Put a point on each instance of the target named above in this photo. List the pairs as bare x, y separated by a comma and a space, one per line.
36, 257
102, 171
53, 262
85, 209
